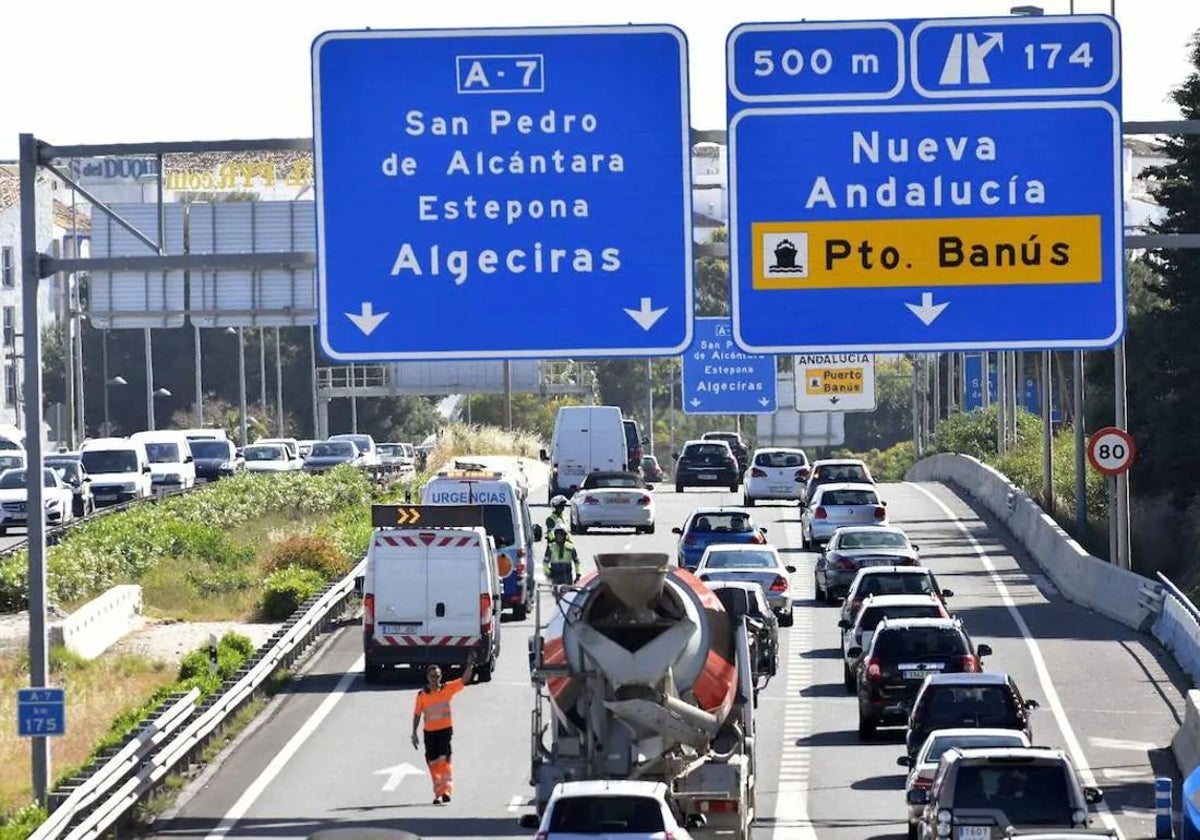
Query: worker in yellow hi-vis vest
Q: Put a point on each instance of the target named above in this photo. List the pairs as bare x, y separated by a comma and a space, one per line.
433, 703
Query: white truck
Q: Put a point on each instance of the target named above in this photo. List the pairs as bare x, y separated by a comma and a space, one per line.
639, 674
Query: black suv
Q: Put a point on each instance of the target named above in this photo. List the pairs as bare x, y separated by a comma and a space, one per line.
740, 450
951, 701
707, 463
903, 653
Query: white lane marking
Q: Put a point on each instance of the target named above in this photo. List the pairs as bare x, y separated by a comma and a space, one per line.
246, 801
516, 804
1120, 773
791, 819
1118, 744
1039, 663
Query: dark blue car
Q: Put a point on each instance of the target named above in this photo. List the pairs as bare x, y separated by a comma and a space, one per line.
710, 525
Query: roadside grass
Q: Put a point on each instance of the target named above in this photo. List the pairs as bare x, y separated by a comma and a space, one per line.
97, 692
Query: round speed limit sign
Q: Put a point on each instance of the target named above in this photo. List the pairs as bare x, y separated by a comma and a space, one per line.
1111, 451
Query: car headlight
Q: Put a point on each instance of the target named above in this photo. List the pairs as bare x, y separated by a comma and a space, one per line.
53, 503
225, 465
128, 486
1079, 816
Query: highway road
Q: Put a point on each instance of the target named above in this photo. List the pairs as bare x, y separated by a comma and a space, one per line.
334, 752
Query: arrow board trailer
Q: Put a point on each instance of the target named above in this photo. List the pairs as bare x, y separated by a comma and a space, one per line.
503, 169
835, 382
507, 520
430, 596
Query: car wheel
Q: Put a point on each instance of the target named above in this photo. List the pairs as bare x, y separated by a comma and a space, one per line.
787, 619
581, 528
866, 728
818, 592
519, 612
371, 672
847, 678
734, 487
747, 501
483, 671
912, 831
678, 487
830, 598
649, 529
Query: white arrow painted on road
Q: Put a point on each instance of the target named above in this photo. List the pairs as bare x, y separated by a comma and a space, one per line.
395, 775
927, 311
647, 316
695, 402
367, 320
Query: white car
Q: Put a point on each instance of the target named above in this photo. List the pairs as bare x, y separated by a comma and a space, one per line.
270, 457
396, 454
630, 809
759, 564
58, 499
924, 767
612, 500
776, 474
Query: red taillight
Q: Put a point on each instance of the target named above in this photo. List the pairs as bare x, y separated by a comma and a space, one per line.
820, 513
757, 473
921, 783
780, 585
880, 513
908, 561
690, 539
521, 568
970, 665
731, 463
843, 563
873, 670
758, 539
521, 553
590, 500
485, 612
369, 614
802, 474
645, 500
718, 806
542, 835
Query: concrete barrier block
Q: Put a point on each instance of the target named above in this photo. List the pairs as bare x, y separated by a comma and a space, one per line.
1186, 743
100, 623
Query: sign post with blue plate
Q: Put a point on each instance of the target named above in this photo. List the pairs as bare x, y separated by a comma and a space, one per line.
41, 712
926, 185
503, 193
721, 378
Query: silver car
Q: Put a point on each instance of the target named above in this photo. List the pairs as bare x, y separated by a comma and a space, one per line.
834, 506
759, 564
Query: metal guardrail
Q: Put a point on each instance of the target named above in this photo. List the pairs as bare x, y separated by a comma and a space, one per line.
1173, 591
177, 737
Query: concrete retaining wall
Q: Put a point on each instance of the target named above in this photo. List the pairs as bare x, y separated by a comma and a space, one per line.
1088, 581
1186, 743
100, 623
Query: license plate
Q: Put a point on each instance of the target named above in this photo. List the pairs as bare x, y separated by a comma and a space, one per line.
398, 629
974, 832
918, 675
106, 498
877, 561
708, 476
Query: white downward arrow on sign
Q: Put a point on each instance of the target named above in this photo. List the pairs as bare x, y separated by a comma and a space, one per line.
367, 320
395, 775
647, 316
764, 402
927, 311
695, 402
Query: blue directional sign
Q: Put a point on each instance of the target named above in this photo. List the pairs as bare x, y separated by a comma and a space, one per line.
926, 185
973, 371
41, 712
721, 378
503, 193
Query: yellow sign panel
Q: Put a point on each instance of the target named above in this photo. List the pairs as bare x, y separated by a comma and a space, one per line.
1024, 250
830, 381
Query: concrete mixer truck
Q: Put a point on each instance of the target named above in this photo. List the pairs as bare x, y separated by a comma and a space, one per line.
640, 674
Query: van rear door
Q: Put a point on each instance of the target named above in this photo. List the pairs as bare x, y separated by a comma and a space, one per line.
456, 558
608, 450
399, 585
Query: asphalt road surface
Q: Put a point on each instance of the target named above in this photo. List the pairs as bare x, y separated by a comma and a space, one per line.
335, 753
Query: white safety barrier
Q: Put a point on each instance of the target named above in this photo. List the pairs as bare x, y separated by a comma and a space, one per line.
1186, 743
1119, 594
100, 623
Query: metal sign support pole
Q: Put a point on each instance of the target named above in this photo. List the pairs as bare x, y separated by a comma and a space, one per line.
149, 380
39, 665
199, 377
1122, 484
242, 386
1047, 434
1080, 446
316, 410
278, 386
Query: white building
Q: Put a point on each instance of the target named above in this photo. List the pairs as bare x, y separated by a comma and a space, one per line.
1140, 206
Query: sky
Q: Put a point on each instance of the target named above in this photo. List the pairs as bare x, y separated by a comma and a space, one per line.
144, 70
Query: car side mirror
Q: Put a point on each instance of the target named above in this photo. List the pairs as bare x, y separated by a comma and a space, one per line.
845, 624
649, 486
1032, 704
854, 651
545, 456
983, 650
884, 504
529, 821
917, 797
677, 531
764, 530
87, 479
904, 761
537, 533
916, 547
947, 593
189, 459
1093, 796
146, 468
791, 569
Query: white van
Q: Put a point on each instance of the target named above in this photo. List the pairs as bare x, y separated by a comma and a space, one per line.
120, 470
587, 438
172, 466
431, 595
506, 517
365, 444
290, 444
204, 434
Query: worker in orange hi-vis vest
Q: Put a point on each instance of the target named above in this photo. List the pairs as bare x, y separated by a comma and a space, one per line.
433, 702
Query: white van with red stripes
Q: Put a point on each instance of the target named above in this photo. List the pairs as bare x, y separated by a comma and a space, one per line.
431, 590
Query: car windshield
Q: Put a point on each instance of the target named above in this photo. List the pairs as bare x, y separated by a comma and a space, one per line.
595, 481
498, 522
780, 459
939, 744
7, 462
362, 442
14, 479
706, 450
649, 461
895, 584
334, 449
840, 472
212, 449
1027, 794
70, 470
833, 498
720, 523
163, 453
5, 443
872, 539
264, 453
757, 559
606, 815
919, 642
390, 449
980, 705
97, 461
871, 616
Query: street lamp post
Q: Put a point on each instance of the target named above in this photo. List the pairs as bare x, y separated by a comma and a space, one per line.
116, 381
157, 392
